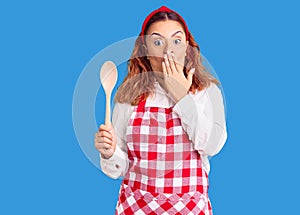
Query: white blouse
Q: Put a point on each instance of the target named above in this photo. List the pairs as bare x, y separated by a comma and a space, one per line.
202, 117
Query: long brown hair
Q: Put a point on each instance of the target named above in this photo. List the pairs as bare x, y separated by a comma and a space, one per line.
140, 79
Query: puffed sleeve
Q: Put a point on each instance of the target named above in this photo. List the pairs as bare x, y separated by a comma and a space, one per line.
117, 164
203, 118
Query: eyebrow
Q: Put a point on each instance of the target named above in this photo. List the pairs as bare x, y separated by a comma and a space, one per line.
163, 36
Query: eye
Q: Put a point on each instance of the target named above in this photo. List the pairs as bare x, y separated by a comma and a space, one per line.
177, 41
158, 42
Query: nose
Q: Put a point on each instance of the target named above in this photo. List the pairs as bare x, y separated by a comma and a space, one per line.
167, 47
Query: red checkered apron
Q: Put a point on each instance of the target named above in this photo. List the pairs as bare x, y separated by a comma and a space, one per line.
166, 175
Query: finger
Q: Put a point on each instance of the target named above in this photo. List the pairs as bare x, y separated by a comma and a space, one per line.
173, 63
106, 127
104, 140
109, 129
105, 134
105, 146
164, 70
167, 63
102, 145
103, 127
190, 75
179, 66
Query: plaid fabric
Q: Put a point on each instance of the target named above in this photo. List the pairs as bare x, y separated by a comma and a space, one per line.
165, 175
145, 203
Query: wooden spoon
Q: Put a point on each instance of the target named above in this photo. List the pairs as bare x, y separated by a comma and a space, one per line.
108, 78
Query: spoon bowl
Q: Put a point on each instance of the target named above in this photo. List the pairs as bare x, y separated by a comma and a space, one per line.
108, 78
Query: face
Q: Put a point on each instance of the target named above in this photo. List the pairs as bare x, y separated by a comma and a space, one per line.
163, 36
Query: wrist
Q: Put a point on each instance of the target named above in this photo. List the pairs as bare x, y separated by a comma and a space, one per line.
178, 97
106, 157
107, 154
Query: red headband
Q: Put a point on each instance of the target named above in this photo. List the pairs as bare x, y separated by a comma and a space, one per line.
162, 9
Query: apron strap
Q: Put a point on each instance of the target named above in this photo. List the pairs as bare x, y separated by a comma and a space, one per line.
142, 103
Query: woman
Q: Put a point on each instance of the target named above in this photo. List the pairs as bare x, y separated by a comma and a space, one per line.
168, 118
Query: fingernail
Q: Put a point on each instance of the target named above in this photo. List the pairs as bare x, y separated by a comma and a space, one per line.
168, 52
192, 70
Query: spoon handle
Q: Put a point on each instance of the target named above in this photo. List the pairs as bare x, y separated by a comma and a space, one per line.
107, 109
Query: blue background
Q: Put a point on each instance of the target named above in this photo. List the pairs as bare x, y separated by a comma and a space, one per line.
254, 48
